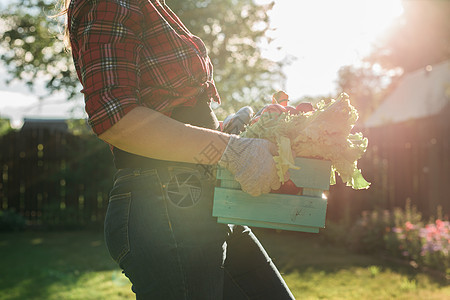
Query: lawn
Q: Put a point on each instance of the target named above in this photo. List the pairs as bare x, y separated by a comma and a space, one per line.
76, 265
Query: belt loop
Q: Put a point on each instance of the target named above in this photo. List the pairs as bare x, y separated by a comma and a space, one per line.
165, 174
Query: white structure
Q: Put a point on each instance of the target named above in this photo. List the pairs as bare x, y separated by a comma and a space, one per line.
419, 94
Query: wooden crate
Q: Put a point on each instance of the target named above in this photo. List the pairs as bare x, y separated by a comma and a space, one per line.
278, 211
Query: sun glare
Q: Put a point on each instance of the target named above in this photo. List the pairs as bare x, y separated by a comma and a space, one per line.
324, 35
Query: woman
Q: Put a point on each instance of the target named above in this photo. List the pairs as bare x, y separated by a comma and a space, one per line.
148, 86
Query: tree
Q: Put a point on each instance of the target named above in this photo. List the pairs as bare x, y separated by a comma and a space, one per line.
32, 47
232, 31
365, 84
5, 126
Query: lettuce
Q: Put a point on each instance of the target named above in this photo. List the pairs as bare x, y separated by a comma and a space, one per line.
324, 133
284, 160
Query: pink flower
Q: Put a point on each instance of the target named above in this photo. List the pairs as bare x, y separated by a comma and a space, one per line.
397, 230
409, 226
431, 228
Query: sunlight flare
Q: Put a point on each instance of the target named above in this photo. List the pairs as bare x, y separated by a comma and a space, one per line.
325, 35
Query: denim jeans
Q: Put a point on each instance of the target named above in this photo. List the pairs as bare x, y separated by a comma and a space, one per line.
160, 230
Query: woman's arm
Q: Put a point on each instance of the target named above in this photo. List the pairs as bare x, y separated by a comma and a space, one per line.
149, 133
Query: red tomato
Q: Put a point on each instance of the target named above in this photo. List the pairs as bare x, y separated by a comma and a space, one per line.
304, 107
288, 188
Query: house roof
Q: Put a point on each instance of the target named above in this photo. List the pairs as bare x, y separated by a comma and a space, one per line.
49, 124
419, 94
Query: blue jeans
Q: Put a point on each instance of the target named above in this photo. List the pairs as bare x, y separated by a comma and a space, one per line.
160, 230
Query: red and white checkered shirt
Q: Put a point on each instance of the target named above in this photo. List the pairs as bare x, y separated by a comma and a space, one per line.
131, 53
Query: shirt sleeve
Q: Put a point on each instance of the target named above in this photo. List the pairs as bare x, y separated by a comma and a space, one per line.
105, 38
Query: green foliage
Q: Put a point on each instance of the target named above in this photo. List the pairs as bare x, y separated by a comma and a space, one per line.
5, 126
79, 127
367, 234
365, 85
400, 234
335, 233
10, 220
55, 217
233, 32
33, 49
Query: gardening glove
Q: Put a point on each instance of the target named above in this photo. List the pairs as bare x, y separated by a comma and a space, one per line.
251, 161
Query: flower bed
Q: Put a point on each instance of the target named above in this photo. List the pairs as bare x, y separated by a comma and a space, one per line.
399, 234
426, 244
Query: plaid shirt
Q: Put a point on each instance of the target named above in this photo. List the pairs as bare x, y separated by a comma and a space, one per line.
131, 53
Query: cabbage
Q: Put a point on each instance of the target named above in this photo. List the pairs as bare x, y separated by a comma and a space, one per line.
324, 133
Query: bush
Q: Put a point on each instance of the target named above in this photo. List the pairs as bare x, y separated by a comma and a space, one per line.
335, 233
53, 217
367, 234
402, 233
10, 220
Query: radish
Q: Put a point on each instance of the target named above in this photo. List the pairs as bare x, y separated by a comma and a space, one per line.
288, 187
304, 107
274, 108
291, 110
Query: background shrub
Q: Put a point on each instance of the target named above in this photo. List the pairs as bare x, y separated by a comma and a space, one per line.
10, 220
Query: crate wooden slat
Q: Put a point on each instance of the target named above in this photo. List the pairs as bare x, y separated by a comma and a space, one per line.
313, 173
278, 211
273, 208
282, 226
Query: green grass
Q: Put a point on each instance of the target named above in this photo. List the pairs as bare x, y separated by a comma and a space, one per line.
76, 265
314, 270
59, 265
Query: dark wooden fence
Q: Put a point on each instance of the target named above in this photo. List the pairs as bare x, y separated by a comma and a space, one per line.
405, 162
54, 178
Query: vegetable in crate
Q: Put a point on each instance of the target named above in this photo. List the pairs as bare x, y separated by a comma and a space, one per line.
322, 133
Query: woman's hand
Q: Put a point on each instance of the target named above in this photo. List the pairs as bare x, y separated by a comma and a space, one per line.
251, 162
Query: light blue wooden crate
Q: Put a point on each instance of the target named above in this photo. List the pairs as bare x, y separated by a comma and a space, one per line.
278, 211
